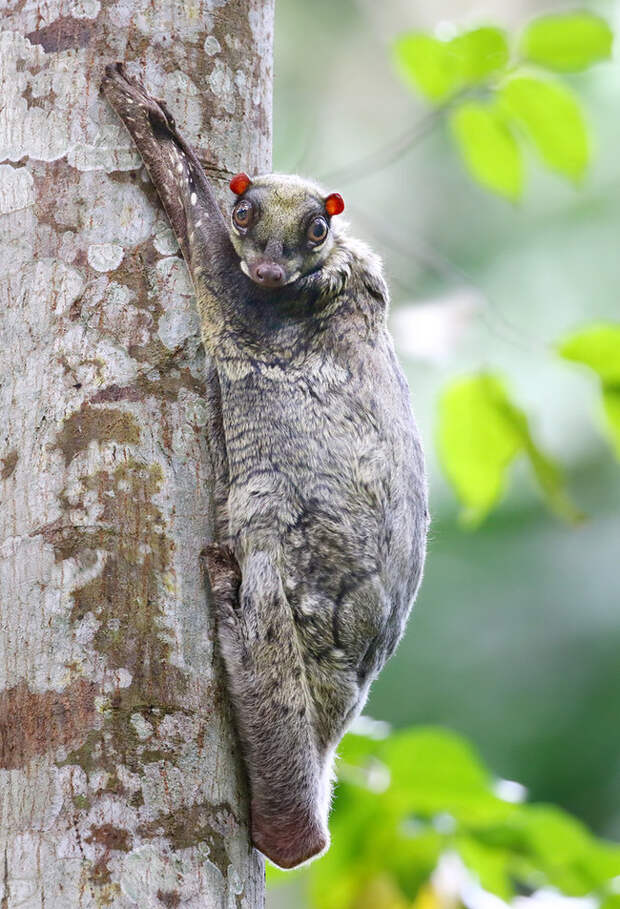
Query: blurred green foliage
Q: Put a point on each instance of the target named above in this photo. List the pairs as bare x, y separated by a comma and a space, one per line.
489, 148
598, 346
518, 103
406, 800
440, 69
481, 431
566, 42
550, 116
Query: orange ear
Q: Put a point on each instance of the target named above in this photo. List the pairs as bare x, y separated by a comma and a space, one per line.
240, 183
334, 204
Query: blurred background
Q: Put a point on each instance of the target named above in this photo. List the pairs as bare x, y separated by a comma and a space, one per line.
515, 637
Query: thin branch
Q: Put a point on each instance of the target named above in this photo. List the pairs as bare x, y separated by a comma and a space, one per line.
383, 157
377, 161
496, 321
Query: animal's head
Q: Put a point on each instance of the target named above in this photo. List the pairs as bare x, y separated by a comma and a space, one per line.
281, 227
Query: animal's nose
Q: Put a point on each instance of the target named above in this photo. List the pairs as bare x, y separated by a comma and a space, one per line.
269, 274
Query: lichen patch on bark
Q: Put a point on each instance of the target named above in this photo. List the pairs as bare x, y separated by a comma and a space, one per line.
201, 823
90, 424
169, 898
9, 463
110, 839
46, 720
126, 596
66, 32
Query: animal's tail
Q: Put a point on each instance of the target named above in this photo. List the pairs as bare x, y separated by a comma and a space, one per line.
289, 782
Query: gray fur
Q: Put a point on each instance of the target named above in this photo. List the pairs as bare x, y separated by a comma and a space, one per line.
321, 492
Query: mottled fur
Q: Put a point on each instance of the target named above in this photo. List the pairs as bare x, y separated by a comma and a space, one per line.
321, 489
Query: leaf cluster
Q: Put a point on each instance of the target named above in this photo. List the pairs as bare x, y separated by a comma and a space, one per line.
420, 794
504, 95
481, 431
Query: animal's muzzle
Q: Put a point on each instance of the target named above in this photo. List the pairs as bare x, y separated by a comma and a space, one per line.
268, 274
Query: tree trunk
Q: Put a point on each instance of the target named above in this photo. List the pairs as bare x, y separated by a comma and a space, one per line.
120, 780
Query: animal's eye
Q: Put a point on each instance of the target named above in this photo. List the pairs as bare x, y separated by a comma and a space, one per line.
317, 230
243, 213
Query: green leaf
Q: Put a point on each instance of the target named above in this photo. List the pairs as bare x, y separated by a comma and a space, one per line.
567, 42
611, 901
480, 53
428, 65
490, 865
381, 892
489, 149
429, 758
438, 69
611, 407
431, 772
477, 441
597, 346
435, 772
480, 433
563, 849
551, 481
552, 118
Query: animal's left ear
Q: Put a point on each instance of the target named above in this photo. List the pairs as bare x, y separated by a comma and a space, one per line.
239, 184
334, 204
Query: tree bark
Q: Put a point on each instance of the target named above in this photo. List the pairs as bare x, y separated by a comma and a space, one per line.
120, 778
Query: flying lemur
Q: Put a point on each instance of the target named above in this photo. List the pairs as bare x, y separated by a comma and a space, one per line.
321, 491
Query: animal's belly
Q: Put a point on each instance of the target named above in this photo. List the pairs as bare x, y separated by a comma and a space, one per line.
335, 490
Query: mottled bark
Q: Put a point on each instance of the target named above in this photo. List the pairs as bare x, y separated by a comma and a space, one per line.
120, 780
